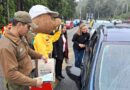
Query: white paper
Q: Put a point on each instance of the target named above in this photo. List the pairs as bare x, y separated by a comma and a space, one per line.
33, 64
46, 70
47, 77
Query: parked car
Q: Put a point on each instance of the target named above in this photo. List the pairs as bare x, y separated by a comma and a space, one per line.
116, 21
126, 25
107, 66
126, 21
69, 24
76, 22
98, 24
84, 21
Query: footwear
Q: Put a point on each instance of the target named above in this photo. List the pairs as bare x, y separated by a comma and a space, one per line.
58, 78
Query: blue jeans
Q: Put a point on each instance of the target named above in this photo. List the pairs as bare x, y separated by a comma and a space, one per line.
78, 57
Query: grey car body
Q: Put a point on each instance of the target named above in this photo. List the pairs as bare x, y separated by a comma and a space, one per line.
107, 65
109, 61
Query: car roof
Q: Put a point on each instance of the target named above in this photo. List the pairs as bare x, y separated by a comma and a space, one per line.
102, 21
97, 23
117, 34
123, 25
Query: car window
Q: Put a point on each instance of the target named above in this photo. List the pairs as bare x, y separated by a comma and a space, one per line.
87, 59
113, 67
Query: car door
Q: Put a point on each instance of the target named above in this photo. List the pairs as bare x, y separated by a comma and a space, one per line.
87, 61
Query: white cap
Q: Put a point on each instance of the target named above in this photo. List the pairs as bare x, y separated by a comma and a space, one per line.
40, 9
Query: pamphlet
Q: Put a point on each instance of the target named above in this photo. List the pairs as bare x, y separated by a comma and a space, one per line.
46, 70
47, 77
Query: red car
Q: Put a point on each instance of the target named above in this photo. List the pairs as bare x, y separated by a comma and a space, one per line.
69, 24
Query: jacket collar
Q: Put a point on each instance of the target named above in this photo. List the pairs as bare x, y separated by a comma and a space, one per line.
15, 39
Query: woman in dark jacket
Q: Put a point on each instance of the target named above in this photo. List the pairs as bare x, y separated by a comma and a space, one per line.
60, 52
80, 41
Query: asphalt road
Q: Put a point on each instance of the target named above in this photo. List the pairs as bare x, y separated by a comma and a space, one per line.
67, 83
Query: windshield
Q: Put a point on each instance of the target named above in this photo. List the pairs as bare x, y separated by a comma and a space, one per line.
113, 68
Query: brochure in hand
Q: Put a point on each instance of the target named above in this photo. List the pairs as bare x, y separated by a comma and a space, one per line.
47, 77
46, 70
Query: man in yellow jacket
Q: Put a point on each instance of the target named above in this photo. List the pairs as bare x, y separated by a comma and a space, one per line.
91, 23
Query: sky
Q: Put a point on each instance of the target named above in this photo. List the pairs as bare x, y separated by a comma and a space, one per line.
77, 0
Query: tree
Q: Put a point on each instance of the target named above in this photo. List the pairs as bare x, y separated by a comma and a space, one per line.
9, 7
104, 8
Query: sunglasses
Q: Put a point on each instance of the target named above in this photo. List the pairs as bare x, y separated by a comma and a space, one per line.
28, 26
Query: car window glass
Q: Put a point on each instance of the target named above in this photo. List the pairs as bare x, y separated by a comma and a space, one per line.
87, 61
113, 67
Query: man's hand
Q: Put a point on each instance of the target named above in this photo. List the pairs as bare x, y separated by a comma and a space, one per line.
44, 58
39, 82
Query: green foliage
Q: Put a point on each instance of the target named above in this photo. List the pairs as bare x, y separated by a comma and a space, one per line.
105, 8
12, 8
29, 3
66, 8
2, 19
123, 16
1, 9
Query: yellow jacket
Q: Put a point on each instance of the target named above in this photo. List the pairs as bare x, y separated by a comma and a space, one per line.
91, 23
43, 43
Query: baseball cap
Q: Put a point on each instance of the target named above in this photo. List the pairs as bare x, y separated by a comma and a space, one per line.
40, 9
24, 17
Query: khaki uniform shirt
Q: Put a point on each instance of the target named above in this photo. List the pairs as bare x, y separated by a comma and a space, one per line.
15, 60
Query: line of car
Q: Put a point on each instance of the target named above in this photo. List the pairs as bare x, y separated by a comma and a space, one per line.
70, 24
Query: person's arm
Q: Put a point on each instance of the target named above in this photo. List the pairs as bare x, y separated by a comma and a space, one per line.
33, 54
66, 47
10, 66
56, 36
74, 39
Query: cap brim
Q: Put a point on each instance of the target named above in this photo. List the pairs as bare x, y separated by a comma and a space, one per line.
54, 14
33, 25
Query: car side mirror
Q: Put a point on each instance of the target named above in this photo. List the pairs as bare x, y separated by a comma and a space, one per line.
74, 73
73, 70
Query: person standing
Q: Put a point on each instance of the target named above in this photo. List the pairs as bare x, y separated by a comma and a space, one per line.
48, 21
80, 41
60, 52
7, 27
15, 54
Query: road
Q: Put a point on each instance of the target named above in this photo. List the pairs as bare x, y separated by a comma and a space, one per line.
67, 83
